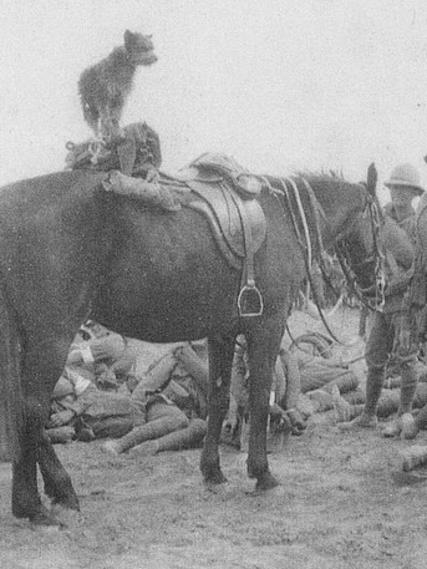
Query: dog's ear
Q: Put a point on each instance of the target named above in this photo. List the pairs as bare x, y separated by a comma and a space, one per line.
128, 37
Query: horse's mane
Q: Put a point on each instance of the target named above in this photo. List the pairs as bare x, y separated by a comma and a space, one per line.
319, 176
318, 179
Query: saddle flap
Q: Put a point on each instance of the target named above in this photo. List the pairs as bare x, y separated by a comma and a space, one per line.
226, 211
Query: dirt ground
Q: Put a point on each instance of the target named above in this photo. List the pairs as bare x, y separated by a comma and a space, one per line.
343, 502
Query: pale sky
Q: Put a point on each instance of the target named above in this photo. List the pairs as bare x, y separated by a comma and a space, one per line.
278, 84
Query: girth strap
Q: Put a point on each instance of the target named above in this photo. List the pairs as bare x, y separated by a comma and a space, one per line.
226, 210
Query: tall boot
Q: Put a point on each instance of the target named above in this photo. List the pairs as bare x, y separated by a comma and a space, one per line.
407, 393
421, 418
408, 387
405, 425
374, 385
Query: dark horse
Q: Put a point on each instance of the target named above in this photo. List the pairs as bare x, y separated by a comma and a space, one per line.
69, 249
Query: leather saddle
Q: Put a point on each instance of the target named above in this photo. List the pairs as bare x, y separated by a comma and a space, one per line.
225, 196
228, 214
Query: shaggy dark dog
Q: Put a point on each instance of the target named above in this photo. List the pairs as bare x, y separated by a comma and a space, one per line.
105, 87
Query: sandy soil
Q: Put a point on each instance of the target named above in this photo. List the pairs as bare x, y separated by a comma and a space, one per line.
343, 502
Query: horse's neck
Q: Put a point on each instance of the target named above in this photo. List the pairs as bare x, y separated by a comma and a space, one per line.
338, 209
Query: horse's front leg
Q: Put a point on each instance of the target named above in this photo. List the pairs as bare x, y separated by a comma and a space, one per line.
263, 348
220, 361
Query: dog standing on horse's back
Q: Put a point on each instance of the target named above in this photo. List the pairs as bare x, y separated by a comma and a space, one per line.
105, 86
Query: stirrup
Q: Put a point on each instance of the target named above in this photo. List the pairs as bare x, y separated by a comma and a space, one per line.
250, 302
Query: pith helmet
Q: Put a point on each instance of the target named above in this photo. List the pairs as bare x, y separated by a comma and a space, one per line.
405, 175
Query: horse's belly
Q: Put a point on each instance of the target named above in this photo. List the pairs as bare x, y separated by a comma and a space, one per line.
165, 319
178, 286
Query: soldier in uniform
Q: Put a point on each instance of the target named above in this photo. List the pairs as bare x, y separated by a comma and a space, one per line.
394, 323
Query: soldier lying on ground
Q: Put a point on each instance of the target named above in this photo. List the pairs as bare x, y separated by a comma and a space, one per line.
85, 399
173, 398
106, 355
85, 405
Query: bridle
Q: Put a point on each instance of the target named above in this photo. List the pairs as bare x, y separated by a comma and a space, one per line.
373, 296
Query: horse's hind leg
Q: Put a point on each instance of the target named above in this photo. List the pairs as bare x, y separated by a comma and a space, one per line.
221, 352
39, 376
57, 481
23, 414
263, 347
26, 502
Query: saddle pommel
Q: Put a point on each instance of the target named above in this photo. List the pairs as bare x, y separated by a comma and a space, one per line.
214, 167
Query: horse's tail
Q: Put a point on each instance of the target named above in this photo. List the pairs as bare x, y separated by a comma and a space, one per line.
11, 400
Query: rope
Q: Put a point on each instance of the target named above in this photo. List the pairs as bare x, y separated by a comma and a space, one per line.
303, 219
307, 259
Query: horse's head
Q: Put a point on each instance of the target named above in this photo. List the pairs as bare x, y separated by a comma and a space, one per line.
359, 248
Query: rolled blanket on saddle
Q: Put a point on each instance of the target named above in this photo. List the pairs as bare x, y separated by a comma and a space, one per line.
132, 162
151, 194
136, 153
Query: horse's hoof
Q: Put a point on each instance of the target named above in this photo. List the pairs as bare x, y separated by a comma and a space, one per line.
266, 482
44, 518
214, 487
69, 503
211, 471
67, 518
215, 478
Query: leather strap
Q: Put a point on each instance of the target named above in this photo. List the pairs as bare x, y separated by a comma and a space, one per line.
250, 302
